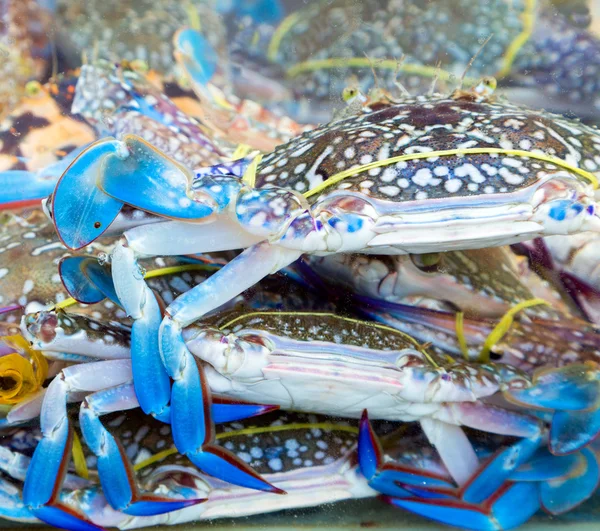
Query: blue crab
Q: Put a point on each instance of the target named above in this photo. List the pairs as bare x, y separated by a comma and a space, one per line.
289, 336
428, 174
542, 56
314, 457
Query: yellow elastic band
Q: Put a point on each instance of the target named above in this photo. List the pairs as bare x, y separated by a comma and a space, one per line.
253, 431
249, 178
81, 468
382, 64
334, 179
504, 325
460, 335
241, 151
286, 25
521, 39
193, 16
152, 274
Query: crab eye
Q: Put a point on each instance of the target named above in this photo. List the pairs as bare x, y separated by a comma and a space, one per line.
427, 262
33, 88
348, 93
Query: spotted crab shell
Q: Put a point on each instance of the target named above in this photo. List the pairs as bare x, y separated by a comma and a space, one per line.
432, 124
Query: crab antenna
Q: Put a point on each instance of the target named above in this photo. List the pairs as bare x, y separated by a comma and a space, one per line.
470, 64
435, 78
54, 57
398, 84
372, 65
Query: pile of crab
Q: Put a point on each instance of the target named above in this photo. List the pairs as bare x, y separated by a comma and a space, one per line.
220, 312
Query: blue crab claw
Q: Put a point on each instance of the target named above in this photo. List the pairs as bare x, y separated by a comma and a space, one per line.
224, 409
571, 388
511, 506
390, 478
191, 422
86, 280
573, 430
543, 466
498, 469
151, 181
101, 277
116, 474
196, 54
80, 210
563, 494
44, 479
77, 284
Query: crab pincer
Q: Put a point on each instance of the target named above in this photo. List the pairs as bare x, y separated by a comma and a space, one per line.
529, 480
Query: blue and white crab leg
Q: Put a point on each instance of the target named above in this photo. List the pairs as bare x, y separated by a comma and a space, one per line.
49, 463
114, 469
190, 393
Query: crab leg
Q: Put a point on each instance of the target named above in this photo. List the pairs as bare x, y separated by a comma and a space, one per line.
115, 471
49, 463
190, 394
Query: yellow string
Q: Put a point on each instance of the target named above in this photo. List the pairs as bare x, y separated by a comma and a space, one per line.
460, 334
81, 468
521, 39
496, 334
151, 274
383, 64
504, 325
249, 178
193, 16
286, 25
241, 151
253, 431
336, 178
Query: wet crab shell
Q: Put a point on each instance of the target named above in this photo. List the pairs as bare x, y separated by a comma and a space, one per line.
431, 124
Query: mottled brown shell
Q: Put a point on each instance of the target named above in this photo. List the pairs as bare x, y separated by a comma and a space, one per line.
429, 124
